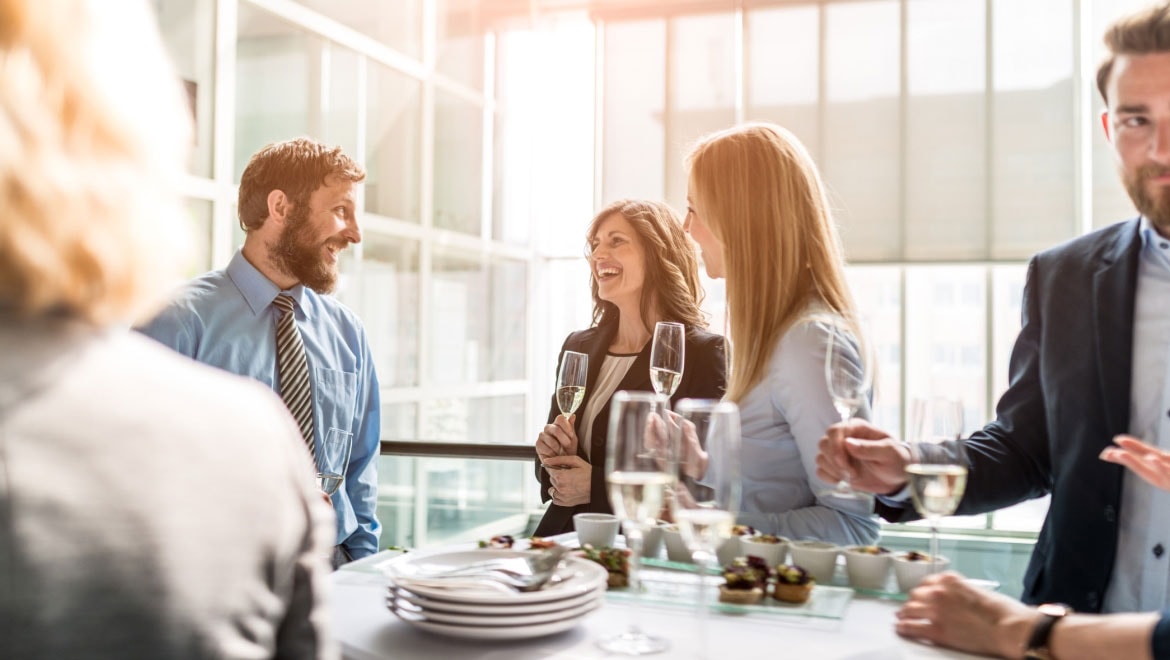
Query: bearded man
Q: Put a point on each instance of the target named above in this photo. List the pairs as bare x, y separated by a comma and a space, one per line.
266, 316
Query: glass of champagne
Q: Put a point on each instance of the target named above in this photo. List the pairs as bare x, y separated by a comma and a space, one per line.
938, 462
639, 466
332, 457
667, 357
849, 377
571, 381
706, 495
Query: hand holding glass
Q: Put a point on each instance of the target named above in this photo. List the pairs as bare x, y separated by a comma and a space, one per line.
332, 457
667, 357
571, 381
639, 462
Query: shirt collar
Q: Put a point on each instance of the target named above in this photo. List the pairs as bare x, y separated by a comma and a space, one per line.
258, 290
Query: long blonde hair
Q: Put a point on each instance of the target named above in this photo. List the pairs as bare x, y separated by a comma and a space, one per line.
671, 290
758, 190
94, 131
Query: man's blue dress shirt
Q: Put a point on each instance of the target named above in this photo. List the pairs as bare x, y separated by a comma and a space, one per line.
226, 319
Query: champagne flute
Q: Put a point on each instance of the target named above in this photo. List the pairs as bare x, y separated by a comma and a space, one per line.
639, 464
849, 378
332, 457
938, 462
667, 357
571, 381
706, 497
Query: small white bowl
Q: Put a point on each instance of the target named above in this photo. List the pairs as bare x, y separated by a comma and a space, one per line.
819, 558
676, 549
772, 553
728, 550
909, 573
867, 571
596, 529
652, 540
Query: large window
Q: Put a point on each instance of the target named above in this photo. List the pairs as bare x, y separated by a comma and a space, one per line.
956, 138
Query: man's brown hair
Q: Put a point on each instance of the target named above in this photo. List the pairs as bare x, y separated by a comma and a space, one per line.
1141, 33
296, 167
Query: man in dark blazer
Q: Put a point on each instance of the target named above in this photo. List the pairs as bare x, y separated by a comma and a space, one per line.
1090, 363
704, 377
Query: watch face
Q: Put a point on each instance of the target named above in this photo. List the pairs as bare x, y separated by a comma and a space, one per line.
1054, 609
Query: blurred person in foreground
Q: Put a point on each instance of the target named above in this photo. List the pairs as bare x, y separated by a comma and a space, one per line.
642, 270
947, 611
757, 208
150, 507
1092, 361
297, 205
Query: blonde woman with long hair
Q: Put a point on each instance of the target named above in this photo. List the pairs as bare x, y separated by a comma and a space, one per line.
757, 209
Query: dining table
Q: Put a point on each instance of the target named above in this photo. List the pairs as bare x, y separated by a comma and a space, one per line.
367, 630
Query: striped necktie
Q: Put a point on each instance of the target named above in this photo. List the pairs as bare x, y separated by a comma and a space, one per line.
292, 367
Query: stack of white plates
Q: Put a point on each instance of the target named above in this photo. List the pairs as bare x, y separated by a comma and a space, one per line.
476, 610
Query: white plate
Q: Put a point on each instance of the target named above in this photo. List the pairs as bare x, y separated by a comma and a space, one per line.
479, 608
577, 576
398, 604
493, 632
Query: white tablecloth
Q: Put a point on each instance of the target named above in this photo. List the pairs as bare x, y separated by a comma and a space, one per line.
367, 630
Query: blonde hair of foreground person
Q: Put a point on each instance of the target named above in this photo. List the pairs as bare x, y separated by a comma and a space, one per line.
759, 191
94, 131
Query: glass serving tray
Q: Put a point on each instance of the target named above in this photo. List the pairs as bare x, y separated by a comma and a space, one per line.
677, 585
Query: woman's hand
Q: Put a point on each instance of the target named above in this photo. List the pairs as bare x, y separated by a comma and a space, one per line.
572, 479
557, 439
1149, 463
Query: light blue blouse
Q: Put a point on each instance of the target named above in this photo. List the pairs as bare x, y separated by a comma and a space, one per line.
783, 418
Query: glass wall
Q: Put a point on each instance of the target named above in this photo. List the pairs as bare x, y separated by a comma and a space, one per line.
956, 138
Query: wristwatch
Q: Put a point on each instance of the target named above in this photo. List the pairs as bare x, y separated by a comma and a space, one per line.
1050, 613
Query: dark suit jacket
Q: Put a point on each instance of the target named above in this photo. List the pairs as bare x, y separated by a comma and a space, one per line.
1069, 395
704, 377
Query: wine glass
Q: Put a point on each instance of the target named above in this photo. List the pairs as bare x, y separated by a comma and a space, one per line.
849, 377
938, 462
571, 381
639, 464
667, 357
332, 457
706, 496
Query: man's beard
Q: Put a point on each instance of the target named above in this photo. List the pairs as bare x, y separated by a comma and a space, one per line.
1156, 207
297, 253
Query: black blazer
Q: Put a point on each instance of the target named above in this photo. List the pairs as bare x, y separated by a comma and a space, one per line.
1068, 396
704, 377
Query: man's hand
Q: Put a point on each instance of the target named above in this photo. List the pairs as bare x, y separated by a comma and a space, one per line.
1149, 463
946, 611
866, 455
571, 478
557, 439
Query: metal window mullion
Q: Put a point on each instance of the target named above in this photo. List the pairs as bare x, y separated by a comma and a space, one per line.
903, 123
598, 114
223, 130
739, 50
822, 76
989, 356
487, 143
1082, 114
903, 389
989, 128
667, 101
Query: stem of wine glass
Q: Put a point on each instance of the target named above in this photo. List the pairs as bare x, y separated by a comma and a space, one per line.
934, 544
704, 559
634, 543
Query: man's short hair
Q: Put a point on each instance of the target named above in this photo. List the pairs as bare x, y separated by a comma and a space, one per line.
296, 167
1140, 33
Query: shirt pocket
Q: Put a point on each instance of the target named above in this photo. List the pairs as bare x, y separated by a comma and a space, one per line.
336, 396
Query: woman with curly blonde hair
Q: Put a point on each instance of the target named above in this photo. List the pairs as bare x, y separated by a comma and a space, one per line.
757, 209
642, 270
